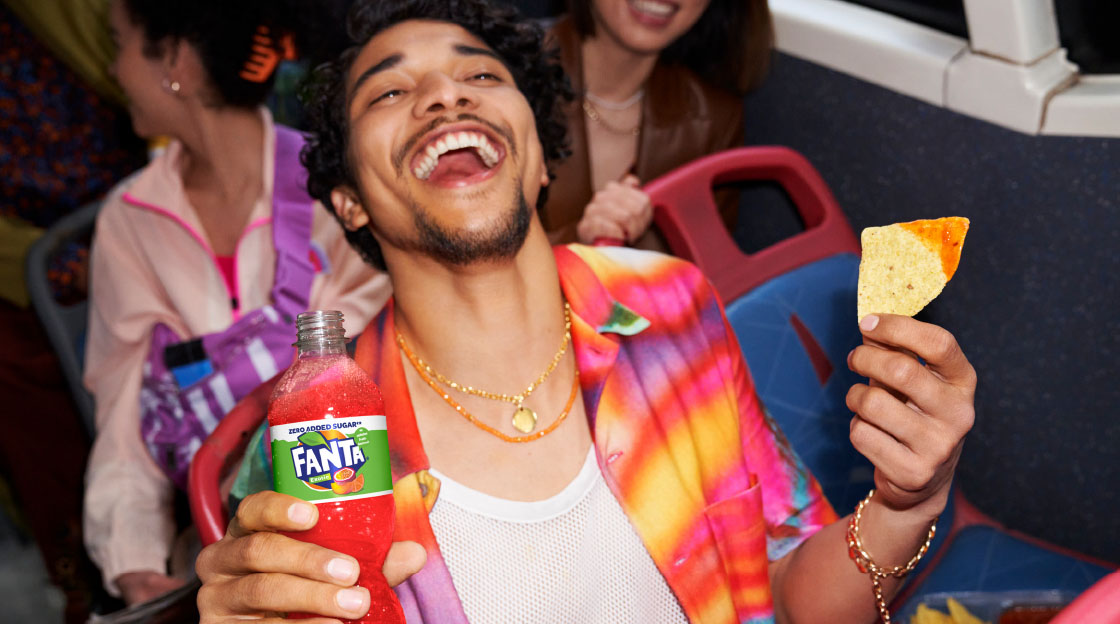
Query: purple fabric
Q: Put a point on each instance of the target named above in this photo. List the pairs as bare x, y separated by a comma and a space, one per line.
291, 226
175, 421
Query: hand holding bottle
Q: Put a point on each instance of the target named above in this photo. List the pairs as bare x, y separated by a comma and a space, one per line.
255, 572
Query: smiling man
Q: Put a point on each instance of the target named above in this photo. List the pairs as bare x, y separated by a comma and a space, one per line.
574, 434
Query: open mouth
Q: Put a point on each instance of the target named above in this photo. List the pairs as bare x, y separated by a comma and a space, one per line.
653, 8
455, 158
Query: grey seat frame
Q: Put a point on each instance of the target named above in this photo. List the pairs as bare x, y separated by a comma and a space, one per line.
65, 325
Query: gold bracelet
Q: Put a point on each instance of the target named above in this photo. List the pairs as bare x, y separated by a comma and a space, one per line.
866, 565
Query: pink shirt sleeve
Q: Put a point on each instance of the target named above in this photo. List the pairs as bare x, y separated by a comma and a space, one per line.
127, 524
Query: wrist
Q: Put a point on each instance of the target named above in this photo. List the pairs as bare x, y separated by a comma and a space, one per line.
921, 513
898, 543
891, 536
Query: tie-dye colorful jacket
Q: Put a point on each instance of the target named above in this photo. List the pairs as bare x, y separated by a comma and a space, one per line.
711, 487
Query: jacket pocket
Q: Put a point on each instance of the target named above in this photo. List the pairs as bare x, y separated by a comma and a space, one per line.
739, 529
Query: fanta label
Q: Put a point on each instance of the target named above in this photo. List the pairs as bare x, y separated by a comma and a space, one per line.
326, 460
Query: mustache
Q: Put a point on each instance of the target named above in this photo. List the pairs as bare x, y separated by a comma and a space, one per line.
503, 131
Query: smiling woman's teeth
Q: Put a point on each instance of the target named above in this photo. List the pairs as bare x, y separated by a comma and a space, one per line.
454, 141
653, 7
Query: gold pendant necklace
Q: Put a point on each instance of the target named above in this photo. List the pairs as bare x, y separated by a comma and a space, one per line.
523, 419
594, 115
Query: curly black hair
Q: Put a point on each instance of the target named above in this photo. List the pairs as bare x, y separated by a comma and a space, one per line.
518, 42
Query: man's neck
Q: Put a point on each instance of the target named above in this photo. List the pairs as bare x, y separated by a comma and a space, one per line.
477, 324
496, 328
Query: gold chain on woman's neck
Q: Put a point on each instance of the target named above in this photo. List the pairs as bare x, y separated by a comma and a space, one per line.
593, 114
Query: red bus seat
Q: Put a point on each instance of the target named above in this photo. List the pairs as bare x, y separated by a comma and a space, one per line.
218, 455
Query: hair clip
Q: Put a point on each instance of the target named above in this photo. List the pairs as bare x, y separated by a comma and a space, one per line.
265, 57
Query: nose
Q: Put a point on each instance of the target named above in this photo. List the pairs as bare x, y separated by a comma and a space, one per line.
438, 93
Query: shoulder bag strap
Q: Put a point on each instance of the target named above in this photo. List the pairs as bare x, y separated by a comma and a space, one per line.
291, 226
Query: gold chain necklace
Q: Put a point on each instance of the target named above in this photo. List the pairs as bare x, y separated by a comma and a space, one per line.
420, 370
594, 115
524, 419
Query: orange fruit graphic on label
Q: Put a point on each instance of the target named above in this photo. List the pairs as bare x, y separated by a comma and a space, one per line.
357, 484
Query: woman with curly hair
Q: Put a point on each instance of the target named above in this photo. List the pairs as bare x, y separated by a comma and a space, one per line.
658, 85
199, 262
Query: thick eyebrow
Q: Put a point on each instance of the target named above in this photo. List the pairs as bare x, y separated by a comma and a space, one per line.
391, 61
467, 50
387, 63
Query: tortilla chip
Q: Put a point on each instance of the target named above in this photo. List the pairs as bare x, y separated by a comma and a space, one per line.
961, 615
904, 266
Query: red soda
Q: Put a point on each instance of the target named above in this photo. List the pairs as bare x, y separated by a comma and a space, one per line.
330, 447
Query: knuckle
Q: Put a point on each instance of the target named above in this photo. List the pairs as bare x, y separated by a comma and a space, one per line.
206, 599
875, 400
205, 561
255, 590
904, 371
969, 378
942, 344
959, 419
858, 359
253, 548
251, 506
854, 397
967, 418
858, 432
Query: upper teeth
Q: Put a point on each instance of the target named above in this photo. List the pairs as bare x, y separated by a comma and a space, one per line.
650, 6
454, 141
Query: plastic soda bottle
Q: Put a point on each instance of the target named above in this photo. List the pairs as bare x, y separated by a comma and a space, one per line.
330, 447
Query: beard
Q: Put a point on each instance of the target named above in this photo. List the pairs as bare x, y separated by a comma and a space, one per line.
499, 240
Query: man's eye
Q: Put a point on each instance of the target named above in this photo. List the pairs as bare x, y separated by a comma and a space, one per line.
388, 95
486, 76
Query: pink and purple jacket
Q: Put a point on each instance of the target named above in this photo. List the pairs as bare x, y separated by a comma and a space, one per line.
709, 483
151, 263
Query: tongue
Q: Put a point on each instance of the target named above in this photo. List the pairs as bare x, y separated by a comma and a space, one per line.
457, 165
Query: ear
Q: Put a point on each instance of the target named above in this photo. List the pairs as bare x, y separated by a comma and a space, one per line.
181, 64
349, 208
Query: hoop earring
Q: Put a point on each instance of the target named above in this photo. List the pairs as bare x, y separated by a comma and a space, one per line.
171, 85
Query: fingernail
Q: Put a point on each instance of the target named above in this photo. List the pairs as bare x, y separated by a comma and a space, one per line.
349, 599
300, 513
869, 322
341, 569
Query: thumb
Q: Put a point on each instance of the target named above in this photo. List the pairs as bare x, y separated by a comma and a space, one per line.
630, 180
404, 560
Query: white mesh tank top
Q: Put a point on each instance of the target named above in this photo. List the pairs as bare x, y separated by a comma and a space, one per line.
573, 558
